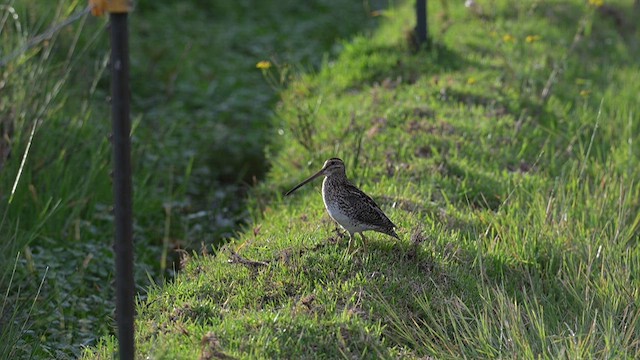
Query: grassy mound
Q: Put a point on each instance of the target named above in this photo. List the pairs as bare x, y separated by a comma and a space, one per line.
508, 156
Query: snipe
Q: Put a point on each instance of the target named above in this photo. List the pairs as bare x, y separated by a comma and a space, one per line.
347, 205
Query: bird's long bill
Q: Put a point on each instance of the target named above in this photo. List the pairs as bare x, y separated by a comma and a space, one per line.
304, 182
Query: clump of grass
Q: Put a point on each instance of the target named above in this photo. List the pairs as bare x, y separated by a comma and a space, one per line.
31, 96
551, 273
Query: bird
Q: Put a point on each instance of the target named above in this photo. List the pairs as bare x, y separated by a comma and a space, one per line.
347, 205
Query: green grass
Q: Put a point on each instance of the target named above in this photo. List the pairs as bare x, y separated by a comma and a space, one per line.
519, 212
199, 105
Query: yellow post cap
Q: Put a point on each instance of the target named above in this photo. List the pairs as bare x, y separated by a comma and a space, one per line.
99, 7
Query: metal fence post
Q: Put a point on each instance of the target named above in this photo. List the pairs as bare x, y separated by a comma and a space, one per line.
122, 188
422, 34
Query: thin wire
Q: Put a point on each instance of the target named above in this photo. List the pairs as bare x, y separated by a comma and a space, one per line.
44, 36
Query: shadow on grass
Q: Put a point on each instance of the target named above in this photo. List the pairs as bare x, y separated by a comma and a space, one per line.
364, 63
421, 293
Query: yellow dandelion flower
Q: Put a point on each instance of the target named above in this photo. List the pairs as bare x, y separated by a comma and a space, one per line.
471, 80
596, 3
263, 65
585, 93
532, 38
508, 38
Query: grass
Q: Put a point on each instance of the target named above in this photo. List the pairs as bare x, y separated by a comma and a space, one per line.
517, 205
192, 95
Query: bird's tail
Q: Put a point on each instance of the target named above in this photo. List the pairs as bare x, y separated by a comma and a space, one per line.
393, 233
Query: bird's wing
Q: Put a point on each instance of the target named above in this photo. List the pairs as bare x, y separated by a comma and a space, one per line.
372, 214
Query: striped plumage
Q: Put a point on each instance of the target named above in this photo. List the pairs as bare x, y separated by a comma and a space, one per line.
347, 205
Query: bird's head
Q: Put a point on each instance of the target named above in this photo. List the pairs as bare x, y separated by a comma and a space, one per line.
333, 166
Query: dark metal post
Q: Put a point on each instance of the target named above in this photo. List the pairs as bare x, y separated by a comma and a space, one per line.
421, 22
122, 188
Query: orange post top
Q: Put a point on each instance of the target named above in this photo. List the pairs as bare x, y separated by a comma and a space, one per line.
99, 7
